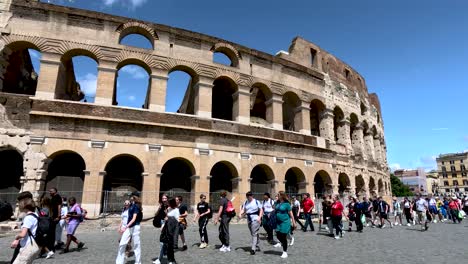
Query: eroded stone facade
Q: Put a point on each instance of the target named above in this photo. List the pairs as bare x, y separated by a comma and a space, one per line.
314, 124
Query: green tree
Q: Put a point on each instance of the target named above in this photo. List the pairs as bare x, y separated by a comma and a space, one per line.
398, 188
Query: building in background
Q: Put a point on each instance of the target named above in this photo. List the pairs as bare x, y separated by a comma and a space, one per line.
414, 179
432, 182
452, 173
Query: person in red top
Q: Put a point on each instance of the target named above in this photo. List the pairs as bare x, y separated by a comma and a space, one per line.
337, 215
453, 209
307, 207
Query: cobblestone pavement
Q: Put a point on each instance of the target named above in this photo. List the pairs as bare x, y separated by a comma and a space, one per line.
442, 243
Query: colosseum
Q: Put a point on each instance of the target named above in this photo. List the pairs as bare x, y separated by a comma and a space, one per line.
300, 120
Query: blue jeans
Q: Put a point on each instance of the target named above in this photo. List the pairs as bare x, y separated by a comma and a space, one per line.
308, 221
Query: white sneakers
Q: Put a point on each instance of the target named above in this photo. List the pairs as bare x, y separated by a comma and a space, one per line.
292, 241
277, 245
50, 254
157, 261
225, 249
203, 245
284, 255
337, 237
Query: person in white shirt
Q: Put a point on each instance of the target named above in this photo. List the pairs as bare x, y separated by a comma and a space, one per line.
268, 209
62, 223
29, 250
123, 225
252, 208
421, 208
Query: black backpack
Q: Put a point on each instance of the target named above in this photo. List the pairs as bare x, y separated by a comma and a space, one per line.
160, 215
43, 231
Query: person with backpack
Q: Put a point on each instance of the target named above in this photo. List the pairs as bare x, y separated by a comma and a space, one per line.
203, 215
44, 211
422, 206
26, 240
454, 209
284, 221
397, 212
75, 217
254, 212
132, 230
158, 222
268, 206
384, 208
183, 210
359, 214
224, 215
169, 230
123, 224
351, 213
56, 208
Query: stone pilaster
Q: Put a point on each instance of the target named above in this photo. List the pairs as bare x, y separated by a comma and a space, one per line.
302, 119
357, 141
49, 70
105, 86
203, 93
344, 136
369, 147
274, 111
241, 105
150, 196
377, 150
326, 125
157, 94
92, 191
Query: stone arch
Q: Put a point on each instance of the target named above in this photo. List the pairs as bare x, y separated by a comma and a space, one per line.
262, 179
338, 117
365, 128
316, 110
322, 184
222, 175
380, 187
260, 104
363, 107
372, 187
178, 178
17, 74
66, 172
132, 62
135, 61
360, 185
291, 103
295, 181
229, 51
139, 28
12, 171
222, 101
353, 126
67, 86
187, 105
344, 183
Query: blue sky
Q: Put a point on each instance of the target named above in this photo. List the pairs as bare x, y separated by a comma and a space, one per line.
413, 54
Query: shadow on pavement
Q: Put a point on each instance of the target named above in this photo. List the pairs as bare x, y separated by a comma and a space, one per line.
271, 252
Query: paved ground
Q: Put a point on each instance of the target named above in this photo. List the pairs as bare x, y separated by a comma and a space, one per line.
442, 243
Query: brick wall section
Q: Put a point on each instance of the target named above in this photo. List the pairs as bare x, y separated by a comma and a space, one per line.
17, 108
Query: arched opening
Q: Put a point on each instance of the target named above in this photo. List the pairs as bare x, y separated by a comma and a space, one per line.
177, 178
12, 170
262, 180
295, 181
378, 118
180, 92
221, 58
322, 184
365, 128
338, 117
259, 96
66, 173
381, 187
77, 76
20, 70
225, 55
136, 40
372, 189
132, 84
291, 102
316, 110
360, 185
222, 177
123, 176
222, 98
363, 109
343, 184
354, 121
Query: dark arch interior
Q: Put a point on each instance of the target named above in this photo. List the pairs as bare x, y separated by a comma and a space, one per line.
352, 127
290, 104
258, 109
359, 184
124, 173
261, 176
371, 184
222, 101
316, 109
12, 170
343, 182
294, 178
337, 118
20, 77
322, 183
221, 178
381, 186
66, 173
176, 175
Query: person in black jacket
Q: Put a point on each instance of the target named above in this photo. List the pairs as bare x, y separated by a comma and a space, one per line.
358, 212
170, 229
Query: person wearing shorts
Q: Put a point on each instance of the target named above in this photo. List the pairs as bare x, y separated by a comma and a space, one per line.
73, 216
421, 208
433, 208
397, 211
382, 212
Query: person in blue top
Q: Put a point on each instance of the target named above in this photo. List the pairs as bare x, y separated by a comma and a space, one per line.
131, 230
284, 221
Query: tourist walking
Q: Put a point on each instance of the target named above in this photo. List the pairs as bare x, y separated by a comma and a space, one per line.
158, 222
56, 209
268, 206
375, 210
203, 214
284, 221
367, 210
62, 224
296, 208
123, 225
25, 240
74, 216
383, 210
326, 210
252, 209
169, 231
351, 213
22, 196
421, 208
132, 230
224, 219
397, 211
358, 214
337, 215
307, 207
433, 208
408, 211
454, 209
44, 211
183, 210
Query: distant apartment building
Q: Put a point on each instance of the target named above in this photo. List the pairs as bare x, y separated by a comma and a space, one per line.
414, 179
452, 173
432, 182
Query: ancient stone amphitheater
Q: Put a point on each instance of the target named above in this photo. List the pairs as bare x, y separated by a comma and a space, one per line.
300, 121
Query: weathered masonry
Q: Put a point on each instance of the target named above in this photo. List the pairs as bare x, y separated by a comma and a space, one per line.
300, 121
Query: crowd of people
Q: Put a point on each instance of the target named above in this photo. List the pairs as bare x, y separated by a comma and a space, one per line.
42, 226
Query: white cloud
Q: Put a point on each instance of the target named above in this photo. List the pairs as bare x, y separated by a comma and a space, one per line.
88, 84
439, 128
131, 3
131, 98
395, 166
135, 72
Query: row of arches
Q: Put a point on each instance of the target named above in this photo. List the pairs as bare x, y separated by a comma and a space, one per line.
124, 174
